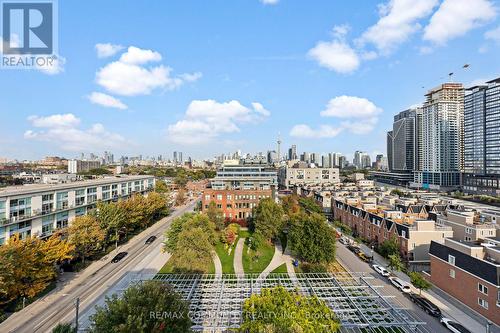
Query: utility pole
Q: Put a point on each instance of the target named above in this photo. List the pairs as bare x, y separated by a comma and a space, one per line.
77, 307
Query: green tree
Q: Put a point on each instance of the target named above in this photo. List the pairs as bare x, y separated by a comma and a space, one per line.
146, 307
202, 221
419, 281
277, 310
268, 218
161, 187
193, 252
310, 205
113, 219
180, 198
290, 204
172, 233
63, 328
389, 247
395, 263
215, 215
86, 234
311, 238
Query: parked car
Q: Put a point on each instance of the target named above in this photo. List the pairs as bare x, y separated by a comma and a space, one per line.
344, 240
353, 248
400, 284
381, 270
119, 257
426, 305
150, 240
362, 256
453, 326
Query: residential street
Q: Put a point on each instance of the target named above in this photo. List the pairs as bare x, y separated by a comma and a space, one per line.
92, 283
354, 264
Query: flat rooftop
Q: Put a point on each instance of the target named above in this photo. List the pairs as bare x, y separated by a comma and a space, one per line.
36, 188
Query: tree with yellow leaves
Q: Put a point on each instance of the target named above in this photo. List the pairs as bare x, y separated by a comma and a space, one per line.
86, 234
28, 266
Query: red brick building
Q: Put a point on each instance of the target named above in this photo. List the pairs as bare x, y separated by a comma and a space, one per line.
235, 204
470, 272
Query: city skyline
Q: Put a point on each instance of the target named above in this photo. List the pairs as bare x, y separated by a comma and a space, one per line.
171, 87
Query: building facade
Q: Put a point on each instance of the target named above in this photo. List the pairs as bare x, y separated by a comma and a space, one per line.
407, 140
38, 210
470, 272
482, 139
76, 166
442, 138
300, 173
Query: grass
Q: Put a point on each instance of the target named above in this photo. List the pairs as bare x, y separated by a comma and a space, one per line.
280, 269
257, 261
244, 234
226, 259
169, 268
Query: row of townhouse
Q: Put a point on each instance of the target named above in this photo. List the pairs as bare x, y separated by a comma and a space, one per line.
412, 229
39, 209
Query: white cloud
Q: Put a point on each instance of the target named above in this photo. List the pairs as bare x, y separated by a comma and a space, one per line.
359, 117
269, 2
105, 50
336, 55
56, 67
455, 18
127, 76
106, 101
63, 130
207, 119
350, 107
137, 56
398, 21
324, 131
493, 34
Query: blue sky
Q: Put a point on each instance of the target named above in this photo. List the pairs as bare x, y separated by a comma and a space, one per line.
207, 77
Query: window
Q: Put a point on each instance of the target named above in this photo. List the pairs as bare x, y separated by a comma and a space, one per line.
451, 259
482, 289
482, 303
219, 196
207, 197
452, 273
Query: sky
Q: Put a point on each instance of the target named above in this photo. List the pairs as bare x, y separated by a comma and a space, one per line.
210, 77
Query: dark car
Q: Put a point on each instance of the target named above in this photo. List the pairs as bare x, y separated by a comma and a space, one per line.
353, 248
426, 305
150, 240
119, 257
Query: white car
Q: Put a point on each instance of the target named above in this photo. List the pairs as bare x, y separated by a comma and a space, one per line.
453, 326
381, 270
400, 284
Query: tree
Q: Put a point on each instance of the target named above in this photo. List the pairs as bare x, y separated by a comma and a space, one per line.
86, 234
395, 263
113, 218
277, 310
28, 266
193, 252
180, 198
63, 328
161, 187
155, 206
311, 238
310, 205
268, 218
389, 247
215, 215
202, 222
419, 281
150, 306
172, 234
290, 204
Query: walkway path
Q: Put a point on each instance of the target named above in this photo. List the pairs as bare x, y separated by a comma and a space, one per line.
218, 264
238, 258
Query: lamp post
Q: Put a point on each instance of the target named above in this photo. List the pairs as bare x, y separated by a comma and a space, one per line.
372, 253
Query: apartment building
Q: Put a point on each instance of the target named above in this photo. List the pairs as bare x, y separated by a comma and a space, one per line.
482, 139
39, 209
301, 173
470, 272
412, 229
238, 187
76, 166
467, 225
442, 138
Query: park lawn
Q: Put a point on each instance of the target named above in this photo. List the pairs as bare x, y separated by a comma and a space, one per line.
280, 269
169, 268
244, 234
265, 255
225, 259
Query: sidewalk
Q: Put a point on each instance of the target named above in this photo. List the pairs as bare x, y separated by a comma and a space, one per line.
238, 258
450, 307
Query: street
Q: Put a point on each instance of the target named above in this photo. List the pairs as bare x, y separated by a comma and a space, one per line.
93, 282
354, 264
